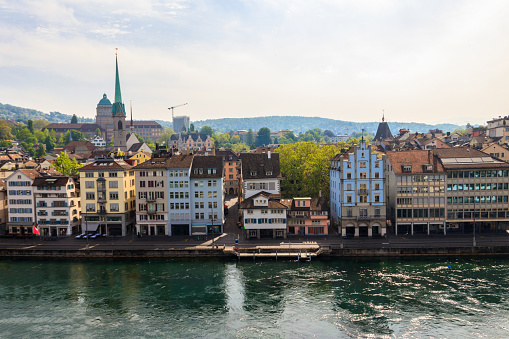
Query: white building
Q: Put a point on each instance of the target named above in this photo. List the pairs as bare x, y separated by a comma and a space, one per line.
260, 173
98, 141
20, 197
263, 217
58, 207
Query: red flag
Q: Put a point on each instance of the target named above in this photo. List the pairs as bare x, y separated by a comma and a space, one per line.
35, 231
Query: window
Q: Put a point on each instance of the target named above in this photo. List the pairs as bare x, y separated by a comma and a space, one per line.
377, 186
90, 196
349, 199
89, 174
349, 175
114, 208
114, 195
89, 184
112, 174
377, 175
363, 175
362, 164
90, 207
113, 184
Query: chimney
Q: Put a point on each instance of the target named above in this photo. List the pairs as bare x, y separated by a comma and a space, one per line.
268, 154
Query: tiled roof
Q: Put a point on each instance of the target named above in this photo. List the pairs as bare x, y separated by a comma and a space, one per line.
415, 158
139, 123
106, 165
51, 181
180, 161
249, 202
257, 165
152, 163
206, 162
71, 146
31, 173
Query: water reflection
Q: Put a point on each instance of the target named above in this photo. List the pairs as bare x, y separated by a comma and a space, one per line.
209, 298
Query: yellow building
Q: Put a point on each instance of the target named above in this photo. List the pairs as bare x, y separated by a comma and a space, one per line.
108, 197
140, 157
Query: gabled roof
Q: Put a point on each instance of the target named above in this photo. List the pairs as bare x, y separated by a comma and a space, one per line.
180, 161
257, 165
107, 165
206, 162
51, 181
272, 203
416, 159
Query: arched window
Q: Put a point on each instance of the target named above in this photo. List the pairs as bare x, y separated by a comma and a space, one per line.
120, 125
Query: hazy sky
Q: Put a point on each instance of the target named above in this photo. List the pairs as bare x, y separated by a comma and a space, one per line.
425, 61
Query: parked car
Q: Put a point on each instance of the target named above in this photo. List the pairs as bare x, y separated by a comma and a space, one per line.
79, 236
95, 236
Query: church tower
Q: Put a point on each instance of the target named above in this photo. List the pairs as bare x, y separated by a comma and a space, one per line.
118, 116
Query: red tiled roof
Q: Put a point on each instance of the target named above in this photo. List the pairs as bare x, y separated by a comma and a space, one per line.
415, 158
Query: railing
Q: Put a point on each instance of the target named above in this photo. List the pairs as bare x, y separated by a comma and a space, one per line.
151, 199
363, 191
101, 212
151, 211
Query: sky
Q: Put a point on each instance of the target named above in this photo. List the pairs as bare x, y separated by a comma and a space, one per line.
427, 61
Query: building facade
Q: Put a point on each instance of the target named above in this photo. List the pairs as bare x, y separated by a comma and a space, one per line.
231, 177
307, 216
260, 172
108, 197
58, 207
357, 199
190, 142
263, 217
20, 197
415, 186
181, 124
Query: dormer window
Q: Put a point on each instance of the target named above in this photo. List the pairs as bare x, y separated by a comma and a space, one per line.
268, 173
406, 168
253, 173
427, 168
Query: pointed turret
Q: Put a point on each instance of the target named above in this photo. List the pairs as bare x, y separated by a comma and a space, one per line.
118, 106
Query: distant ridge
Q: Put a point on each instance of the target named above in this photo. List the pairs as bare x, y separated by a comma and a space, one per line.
301, 124
296, 124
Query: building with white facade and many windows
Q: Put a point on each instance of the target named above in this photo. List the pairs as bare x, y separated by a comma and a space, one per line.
20, 197
57, 201
357, 199
260, 173
263, 217
207, 195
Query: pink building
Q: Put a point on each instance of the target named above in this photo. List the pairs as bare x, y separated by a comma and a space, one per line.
307, 216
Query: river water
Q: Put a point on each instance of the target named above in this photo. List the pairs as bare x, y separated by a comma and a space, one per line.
403, 298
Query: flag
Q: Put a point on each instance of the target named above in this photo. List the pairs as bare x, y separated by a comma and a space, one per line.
35, 231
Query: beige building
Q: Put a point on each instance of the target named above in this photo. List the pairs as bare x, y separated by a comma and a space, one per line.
415, 182
108, 197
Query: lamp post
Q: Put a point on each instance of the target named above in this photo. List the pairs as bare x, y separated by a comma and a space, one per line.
473, 232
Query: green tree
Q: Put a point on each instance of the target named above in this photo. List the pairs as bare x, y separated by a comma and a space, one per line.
462, 131
26, 136
240, 147
250, 139
165, 136
76, 136
207, 130
66, 165
31, 126
50, 144
5, 131
263, 137
40, 136
305, 168
191, 127
5, 143
40, 151
39, 124
74, 119
98, 132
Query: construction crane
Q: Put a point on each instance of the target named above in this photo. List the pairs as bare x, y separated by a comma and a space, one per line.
172, 108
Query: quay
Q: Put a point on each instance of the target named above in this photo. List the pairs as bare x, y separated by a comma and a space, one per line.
227, 246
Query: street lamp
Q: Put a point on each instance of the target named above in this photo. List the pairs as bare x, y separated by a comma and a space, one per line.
473, 232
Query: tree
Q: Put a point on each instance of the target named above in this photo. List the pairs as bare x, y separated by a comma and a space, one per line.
165, 136
31, 126
39, 124
74, 119
5, 143
98, 132
40, 151
50, 144
250, 139
66, 165
240, 147
5, 131
207, 130
328, 133
462, 131
263, 137
191, 127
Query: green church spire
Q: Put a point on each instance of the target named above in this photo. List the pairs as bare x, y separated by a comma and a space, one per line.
118, 95
118, 107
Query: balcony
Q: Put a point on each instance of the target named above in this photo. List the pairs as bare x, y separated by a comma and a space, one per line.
151, 199
363, 191
151, 212
363, 217
101, 211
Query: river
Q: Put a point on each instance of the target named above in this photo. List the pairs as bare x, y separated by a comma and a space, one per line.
340, 298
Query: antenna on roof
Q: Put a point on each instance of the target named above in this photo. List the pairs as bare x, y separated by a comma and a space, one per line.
362, 137
383, 115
